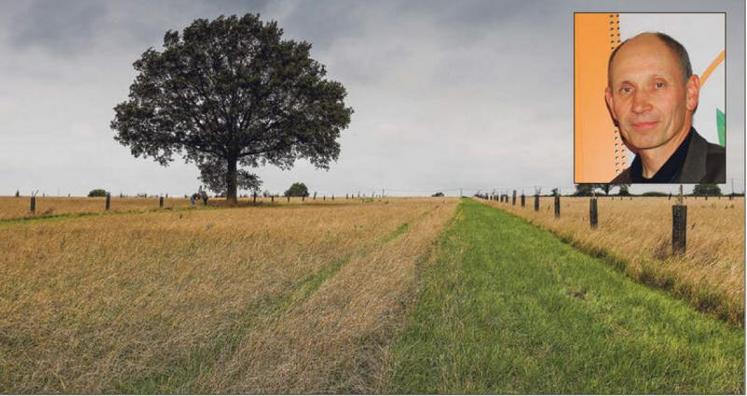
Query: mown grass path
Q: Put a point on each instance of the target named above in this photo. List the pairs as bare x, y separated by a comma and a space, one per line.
509, 308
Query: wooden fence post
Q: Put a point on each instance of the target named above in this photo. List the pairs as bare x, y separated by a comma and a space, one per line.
254, 198
513, 199
536, 202
289, 198
33, 204
160, 202
557, 204
333, 197
272, 198
108, 201
523, 199
593, 214
679, 228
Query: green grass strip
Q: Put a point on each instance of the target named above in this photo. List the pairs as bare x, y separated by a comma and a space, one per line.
509, 308
401, 230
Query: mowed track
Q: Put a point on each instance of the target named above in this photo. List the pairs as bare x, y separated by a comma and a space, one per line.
284, 299
509, 308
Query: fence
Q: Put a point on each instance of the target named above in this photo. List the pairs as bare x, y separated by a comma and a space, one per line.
17, 207
678, 219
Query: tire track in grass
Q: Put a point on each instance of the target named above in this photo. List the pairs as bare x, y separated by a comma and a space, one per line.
202, 359
509, 308
182, 373
333, 341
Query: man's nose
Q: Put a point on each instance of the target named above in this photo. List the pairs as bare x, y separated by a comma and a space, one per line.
641, 103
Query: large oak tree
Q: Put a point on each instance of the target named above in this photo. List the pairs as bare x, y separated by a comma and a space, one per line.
228, 93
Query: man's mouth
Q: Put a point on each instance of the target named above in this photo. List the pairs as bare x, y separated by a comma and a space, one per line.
644, 125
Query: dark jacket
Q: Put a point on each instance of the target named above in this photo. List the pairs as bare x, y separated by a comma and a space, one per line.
704, 163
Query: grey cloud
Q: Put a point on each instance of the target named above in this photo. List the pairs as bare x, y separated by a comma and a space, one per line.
456, 93
61, 27
144, 23
323, 25
238, 6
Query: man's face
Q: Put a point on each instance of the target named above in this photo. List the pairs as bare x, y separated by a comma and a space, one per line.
648, 96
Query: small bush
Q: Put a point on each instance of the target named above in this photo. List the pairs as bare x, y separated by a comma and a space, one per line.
97, 193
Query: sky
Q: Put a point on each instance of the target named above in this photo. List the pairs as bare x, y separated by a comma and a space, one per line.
448, 96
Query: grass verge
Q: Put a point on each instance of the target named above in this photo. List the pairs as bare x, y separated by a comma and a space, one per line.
509, 308
636, 236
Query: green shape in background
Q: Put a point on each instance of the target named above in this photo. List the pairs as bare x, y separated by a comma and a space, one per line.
721, 126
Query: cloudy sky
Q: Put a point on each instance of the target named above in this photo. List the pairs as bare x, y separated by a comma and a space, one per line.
447, 94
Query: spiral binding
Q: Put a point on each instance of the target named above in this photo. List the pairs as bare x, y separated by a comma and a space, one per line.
620, 154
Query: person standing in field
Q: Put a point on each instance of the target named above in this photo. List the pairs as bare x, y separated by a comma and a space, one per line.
652, 95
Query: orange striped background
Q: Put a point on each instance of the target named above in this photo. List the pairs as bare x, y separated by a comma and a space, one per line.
598, 151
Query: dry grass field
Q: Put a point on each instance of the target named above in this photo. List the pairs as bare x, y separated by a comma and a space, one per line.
267, 299
19, 207
637, 235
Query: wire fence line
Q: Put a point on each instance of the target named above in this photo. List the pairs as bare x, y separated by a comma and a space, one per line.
453, 191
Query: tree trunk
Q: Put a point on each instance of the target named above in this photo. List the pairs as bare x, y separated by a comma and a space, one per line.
231, 183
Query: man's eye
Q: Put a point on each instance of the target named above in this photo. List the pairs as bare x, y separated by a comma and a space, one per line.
659, 84
625, 90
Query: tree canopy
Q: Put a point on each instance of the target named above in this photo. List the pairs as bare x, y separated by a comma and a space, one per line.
230, 92
584, 189
98, 192
707, 189
297, 190
624, 189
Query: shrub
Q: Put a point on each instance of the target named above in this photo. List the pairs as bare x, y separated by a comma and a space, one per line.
99, 192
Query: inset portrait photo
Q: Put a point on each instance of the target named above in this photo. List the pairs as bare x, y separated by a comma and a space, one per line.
649, 98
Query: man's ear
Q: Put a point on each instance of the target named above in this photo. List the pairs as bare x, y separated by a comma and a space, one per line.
693, 92
610, 104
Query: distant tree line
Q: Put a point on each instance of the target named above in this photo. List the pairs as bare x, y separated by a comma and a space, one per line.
587, 189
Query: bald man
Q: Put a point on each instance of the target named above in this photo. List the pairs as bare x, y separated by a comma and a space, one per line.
652, 95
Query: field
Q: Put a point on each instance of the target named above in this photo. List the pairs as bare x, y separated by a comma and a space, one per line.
19, 207
636, 236
398, 295
199, 301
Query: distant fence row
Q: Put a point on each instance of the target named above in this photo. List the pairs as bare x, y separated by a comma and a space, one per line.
35, 206
679, 211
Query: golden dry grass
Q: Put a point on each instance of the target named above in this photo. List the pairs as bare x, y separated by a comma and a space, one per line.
19, 207
638, 233
12, 207
258, 299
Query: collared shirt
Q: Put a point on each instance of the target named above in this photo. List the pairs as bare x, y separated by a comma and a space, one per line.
669, 172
